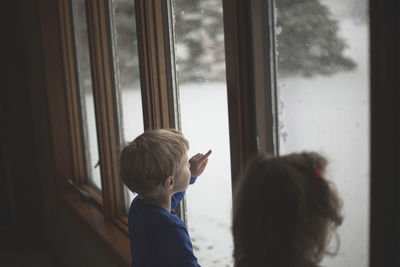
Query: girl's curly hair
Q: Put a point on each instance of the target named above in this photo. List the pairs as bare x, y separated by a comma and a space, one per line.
285, 212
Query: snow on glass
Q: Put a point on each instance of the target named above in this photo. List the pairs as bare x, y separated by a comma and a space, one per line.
323, 99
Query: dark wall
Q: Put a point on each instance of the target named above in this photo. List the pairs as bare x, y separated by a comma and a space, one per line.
37, 215
5, 217
23, 189
385, 133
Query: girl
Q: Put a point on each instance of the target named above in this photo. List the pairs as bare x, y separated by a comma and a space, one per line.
285, 212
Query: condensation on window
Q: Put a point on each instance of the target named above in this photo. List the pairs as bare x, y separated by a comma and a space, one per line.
323, 94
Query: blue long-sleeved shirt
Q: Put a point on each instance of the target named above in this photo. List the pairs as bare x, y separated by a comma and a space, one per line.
159, 237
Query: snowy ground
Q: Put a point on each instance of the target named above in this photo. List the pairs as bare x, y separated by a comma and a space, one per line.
331, 115
204, 114
326, 114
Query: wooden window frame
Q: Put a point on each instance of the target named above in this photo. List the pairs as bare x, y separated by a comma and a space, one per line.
244, 81
385, 133
102, 215
384, 99
154, 63
240, 84
104, 218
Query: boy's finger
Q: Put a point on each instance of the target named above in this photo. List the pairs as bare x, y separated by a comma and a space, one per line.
206, 155
203, 164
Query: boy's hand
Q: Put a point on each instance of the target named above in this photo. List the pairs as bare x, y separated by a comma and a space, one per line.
198, 163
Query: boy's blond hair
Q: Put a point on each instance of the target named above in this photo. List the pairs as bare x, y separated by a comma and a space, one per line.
152, 157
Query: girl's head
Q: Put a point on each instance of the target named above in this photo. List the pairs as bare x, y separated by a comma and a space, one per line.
285, 211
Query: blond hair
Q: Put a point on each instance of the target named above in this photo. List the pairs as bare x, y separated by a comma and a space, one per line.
151, 158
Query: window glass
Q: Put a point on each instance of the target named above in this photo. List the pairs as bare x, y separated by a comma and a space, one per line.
126, 75
200, 64
323, 96
86, 94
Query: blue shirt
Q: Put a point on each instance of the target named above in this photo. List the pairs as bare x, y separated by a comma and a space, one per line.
159, 238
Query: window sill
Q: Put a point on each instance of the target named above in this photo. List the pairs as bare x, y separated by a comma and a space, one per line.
110, 236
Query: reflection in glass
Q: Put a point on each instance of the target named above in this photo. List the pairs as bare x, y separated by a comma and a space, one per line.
126, 75
323, 96
86, 94
200, 64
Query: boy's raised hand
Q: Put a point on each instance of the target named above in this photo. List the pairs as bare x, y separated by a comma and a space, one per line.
198, 163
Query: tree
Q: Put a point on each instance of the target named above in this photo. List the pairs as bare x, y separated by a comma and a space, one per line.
125, 41
307, 39
199, 40
308, 42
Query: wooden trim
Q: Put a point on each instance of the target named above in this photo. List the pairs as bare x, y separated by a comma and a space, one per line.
263, 46
239, 70
97, 199
103, 89
154, 62
72, 92
385, 133
109, 235
55, 88
73, 100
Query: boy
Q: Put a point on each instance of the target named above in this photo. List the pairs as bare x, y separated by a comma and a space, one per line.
155, 166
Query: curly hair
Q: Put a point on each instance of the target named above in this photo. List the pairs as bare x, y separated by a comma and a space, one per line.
285, 212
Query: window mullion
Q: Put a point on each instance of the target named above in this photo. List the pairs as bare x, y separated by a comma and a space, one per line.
239, 78
154, 62
104, 105
70, 71
263, 42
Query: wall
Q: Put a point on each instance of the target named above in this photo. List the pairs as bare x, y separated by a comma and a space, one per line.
39, 214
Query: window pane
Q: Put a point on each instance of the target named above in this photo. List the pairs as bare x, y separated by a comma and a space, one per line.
200, 64
323, 96
126, 71
86, 93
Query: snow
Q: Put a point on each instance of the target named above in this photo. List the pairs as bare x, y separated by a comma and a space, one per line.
331, 115
326, 114
204, 114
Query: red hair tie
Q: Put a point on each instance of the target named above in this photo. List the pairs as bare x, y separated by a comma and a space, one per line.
318, 174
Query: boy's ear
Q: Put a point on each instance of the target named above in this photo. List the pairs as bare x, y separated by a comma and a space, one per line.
169, 183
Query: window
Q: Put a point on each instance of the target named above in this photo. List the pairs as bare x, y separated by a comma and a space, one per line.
323, 104
85, 95
203, 115
126, 75
316, 97
127, 68
137, 65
